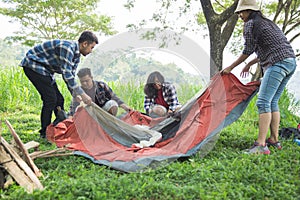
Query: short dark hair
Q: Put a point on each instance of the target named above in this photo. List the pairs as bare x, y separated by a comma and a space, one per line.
88, 36
83, 72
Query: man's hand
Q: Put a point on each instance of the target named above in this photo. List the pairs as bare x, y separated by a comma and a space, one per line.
78, 98
86, 99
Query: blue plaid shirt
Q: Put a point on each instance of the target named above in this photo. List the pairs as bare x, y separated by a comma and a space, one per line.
271, 45
169, 95
55, 56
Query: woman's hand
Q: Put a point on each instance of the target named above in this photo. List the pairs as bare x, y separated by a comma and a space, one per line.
227, 70
245, 72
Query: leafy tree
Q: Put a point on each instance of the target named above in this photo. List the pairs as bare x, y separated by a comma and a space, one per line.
49, 19
220, 26
219, 17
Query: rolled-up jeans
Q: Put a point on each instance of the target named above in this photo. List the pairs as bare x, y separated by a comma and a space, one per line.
273, 83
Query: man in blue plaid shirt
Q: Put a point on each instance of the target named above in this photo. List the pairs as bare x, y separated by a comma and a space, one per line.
56, 56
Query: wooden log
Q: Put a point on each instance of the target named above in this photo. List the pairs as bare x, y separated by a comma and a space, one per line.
9, 181
32, 144
22, 164
24, 151
14, 170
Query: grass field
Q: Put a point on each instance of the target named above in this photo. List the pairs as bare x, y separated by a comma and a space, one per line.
225, 173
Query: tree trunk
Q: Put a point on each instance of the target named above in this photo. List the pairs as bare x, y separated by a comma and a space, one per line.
216, 51
220, 28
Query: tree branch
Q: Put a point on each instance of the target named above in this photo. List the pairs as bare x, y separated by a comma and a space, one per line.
294, 37
228, 29
228, 13
278, 10
292, 28
208, 11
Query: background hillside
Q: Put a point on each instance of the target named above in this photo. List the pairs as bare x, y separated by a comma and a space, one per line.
126, 66
105, 66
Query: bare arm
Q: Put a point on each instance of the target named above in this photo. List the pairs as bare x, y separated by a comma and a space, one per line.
238, 61
126, 107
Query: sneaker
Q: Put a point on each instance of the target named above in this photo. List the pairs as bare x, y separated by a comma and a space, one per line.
276, 145
258, 149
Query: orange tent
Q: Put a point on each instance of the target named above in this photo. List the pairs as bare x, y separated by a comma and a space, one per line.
110, 141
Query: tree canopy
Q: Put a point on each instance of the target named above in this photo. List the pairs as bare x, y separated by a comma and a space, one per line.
219, 18
49, 19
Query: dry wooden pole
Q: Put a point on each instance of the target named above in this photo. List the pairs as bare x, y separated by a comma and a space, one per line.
14, 170
23, 165
50, 153
18, 141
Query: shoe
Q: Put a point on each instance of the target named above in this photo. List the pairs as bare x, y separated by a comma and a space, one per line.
42, 134
277, 145
258, 149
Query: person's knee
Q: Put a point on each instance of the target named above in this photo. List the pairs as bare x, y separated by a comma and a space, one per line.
263, 107
111, 106
113, 110
159, 110
274, 107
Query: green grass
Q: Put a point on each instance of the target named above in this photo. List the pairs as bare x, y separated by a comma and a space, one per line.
225, 173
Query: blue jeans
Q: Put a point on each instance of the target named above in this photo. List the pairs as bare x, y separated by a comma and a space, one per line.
273, 84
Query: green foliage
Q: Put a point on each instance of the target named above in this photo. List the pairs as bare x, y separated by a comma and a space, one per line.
225, 173
287, 104
54, 19
284, 13
10, 55
130, 92
16, 90
123, 66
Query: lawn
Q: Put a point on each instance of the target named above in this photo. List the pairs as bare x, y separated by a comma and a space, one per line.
224, 173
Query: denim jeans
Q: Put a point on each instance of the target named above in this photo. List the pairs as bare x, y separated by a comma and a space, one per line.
273, 84
50, 96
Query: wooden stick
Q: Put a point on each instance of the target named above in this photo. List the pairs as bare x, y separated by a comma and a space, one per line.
54, 155
49, 153
23, 165
14, 170
32, 144
28, 160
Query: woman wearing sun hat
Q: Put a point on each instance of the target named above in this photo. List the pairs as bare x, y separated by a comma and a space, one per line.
277, 60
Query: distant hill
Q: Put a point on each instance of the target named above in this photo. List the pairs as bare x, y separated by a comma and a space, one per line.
11, 55
130, 67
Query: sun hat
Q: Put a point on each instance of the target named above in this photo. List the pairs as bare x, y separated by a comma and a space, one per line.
246, 5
